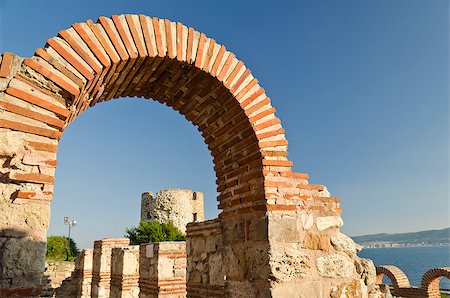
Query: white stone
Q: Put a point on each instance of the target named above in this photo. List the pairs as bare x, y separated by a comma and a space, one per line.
149, 251
335, 266
344, 244
307, 221
327, 222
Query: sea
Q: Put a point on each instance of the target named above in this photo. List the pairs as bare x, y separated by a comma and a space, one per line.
414, 261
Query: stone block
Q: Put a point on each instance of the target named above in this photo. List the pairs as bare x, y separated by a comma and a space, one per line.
327, 222
288, 263
335, 266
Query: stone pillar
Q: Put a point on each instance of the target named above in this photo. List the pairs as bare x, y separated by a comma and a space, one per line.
204, 246
162, 269
83, 266
125, 272
101, 266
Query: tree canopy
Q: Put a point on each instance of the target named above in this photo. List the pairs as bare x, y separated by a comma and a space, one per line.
153, 231
57, 248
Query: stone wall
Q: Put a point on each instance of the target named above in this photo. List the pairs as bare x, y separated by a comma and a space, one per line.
181, 206
55, 273
125, 272
205, 274
162, 269
101, 265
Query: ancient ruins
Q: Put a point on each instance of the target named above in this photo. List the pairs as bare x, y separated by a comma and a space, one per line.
277, 234
180, 206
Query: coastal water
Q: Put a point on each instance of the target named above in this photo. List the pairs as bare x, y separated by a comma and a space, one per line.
414, 261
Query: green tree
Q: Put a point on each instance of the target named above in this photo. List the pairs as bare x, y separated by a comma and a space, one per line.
57, 248
153, 231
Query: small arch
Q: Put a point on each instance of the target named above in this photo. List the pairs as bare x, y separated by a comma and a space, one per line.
395, 274
431, 278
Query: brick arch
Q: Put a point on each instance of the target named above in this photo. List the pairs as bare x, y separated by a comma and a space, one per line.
131, 55
395, 274
430, 280
266, 208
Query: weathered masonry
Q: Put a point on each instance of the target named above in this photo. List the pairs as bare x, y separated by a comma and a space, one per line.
279, 233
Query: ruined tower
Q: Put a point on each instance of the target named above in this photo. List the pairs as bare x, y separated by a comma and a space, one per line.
181, 206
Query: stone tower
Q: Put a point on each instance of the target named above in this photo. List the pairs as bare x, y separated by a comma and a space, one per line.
181, 206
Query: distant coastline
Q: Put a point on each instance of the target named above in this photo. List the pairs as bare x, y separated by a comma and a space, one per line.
403, 245
415, 239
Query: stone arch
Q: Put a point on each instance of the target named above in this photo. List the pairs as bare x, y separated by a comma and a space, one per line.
430, 280
267, 209
395, 274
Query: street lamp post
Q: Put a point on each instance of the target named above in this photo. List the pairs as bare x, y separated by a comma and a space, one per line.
71, 224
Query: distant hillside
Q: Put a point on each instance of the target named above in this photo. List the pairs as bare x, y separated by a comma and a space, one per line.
431, 237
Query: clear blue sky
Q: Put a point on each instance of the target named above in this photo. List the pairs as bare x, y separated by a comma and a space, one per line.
361, 88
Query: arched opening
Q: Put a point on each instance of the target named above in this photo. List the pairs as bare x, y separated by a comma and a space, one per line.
274, 229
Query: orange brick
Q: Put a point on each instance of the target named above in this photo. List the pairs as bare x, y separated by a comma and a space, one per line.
134, 33
33, 115
281, 207
218, 60
127, 42
43, 146
179, 41
38, 101
278, 163
191, 33
158, 37
147, 37
247, 88
53, 134
240, 81
112, 53
119, 47
266, 124
62, 68
262, 115
256, 107
80, 51
169, 37
6, 64
209, 53
252, 97
71, 59
31, 177
233, 74
295, 175
52, 76
271, 133
273, 143
225, 67
92, 45
199, 55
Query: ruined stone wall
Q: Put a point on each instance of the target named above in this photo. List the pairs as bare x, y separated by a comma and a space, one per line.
205, 267
55, 273
181, 206
162, 269
125, 272
101, 265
